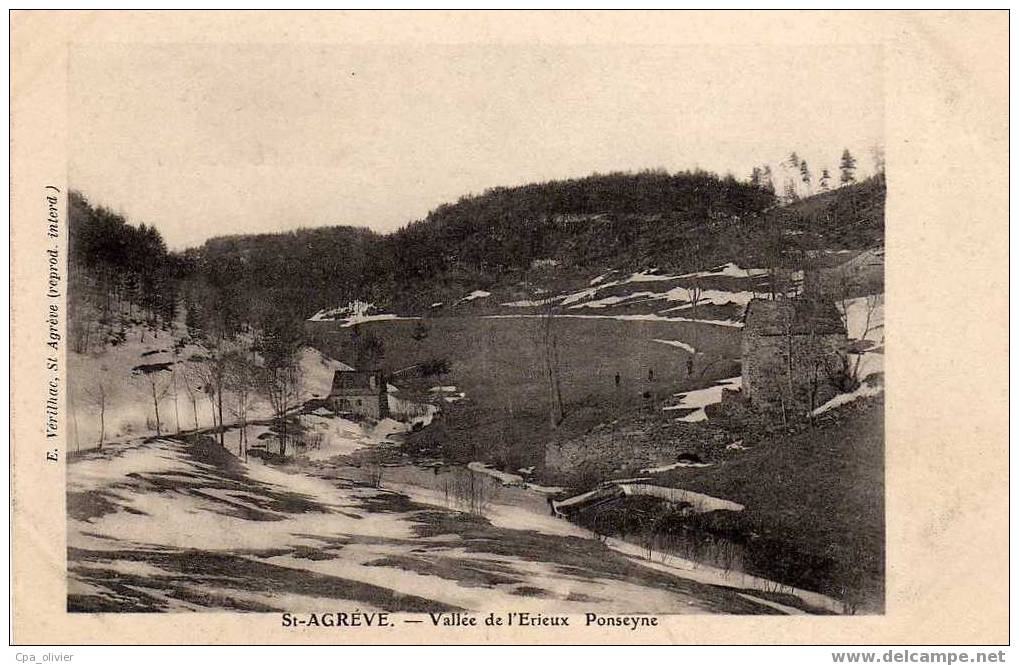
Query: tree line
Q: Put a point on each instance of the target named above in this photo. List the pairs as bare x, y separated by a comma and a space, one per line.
119, 274
798, 180
615, 220
489, 238
227, 343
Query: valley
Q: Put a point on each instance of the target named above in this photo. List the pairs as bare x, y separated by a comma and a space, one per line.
552, 426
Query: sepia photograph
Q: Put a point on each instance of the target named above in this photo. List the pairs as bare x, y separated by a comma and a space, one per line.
401, 329
336, 323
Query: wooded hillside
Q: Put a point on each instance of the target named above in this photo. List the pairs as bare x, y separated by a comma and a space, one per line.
682, 221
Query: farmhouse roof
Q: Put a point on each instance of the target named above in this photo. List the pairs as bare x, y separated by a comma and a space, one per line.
797, 316
357, 380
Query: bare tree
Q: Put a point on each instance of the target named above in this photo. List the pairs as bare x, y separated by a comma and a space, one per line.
550, 354
280, 383
373, 469
152, 375
191, 379
868, 321
694, 294
98, 397
468, 491
217, 322
174, 382
773, 250
241, 380
279, 342
210, 369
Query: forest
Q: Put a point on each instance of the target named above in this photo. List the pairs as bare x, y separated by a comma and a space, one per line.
193, 327
602, 221
632, 221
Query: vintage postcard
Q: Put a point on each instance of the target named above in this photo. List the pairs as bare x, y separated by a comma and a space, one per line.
530, 328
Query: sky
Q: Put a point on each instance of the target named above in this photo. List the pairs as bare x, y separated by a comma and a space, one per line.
205, 140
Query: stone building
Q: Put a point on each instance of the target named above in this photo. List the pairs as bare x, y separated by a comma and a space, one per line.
793, 355
363, 393
844, 274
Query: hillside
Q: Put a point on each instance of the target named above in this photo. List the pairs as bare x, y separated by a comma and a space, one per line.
558, 234
110, 398
619, 219
301, 269
825, 508
682, 250
260, 538
846, 218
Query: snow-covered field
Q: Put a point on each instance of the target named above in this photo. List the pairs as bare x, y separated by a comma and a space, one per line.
164, 526
339, 436
129, 410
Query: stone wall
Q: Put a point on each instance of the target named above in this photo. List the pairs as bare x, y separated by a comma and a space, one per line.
773, 383
371, 405
631, 448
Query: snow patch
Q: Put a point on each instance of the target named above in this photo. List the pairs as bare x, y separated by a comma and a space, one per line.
864, 390
353, 309
728, 270
702, 503
678, 294
676, 343
674, 465
698, 399
357, 312
533, 303
501, 476
580, 295
647, 276
317, 372
622, 317
473, 295
865, 318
